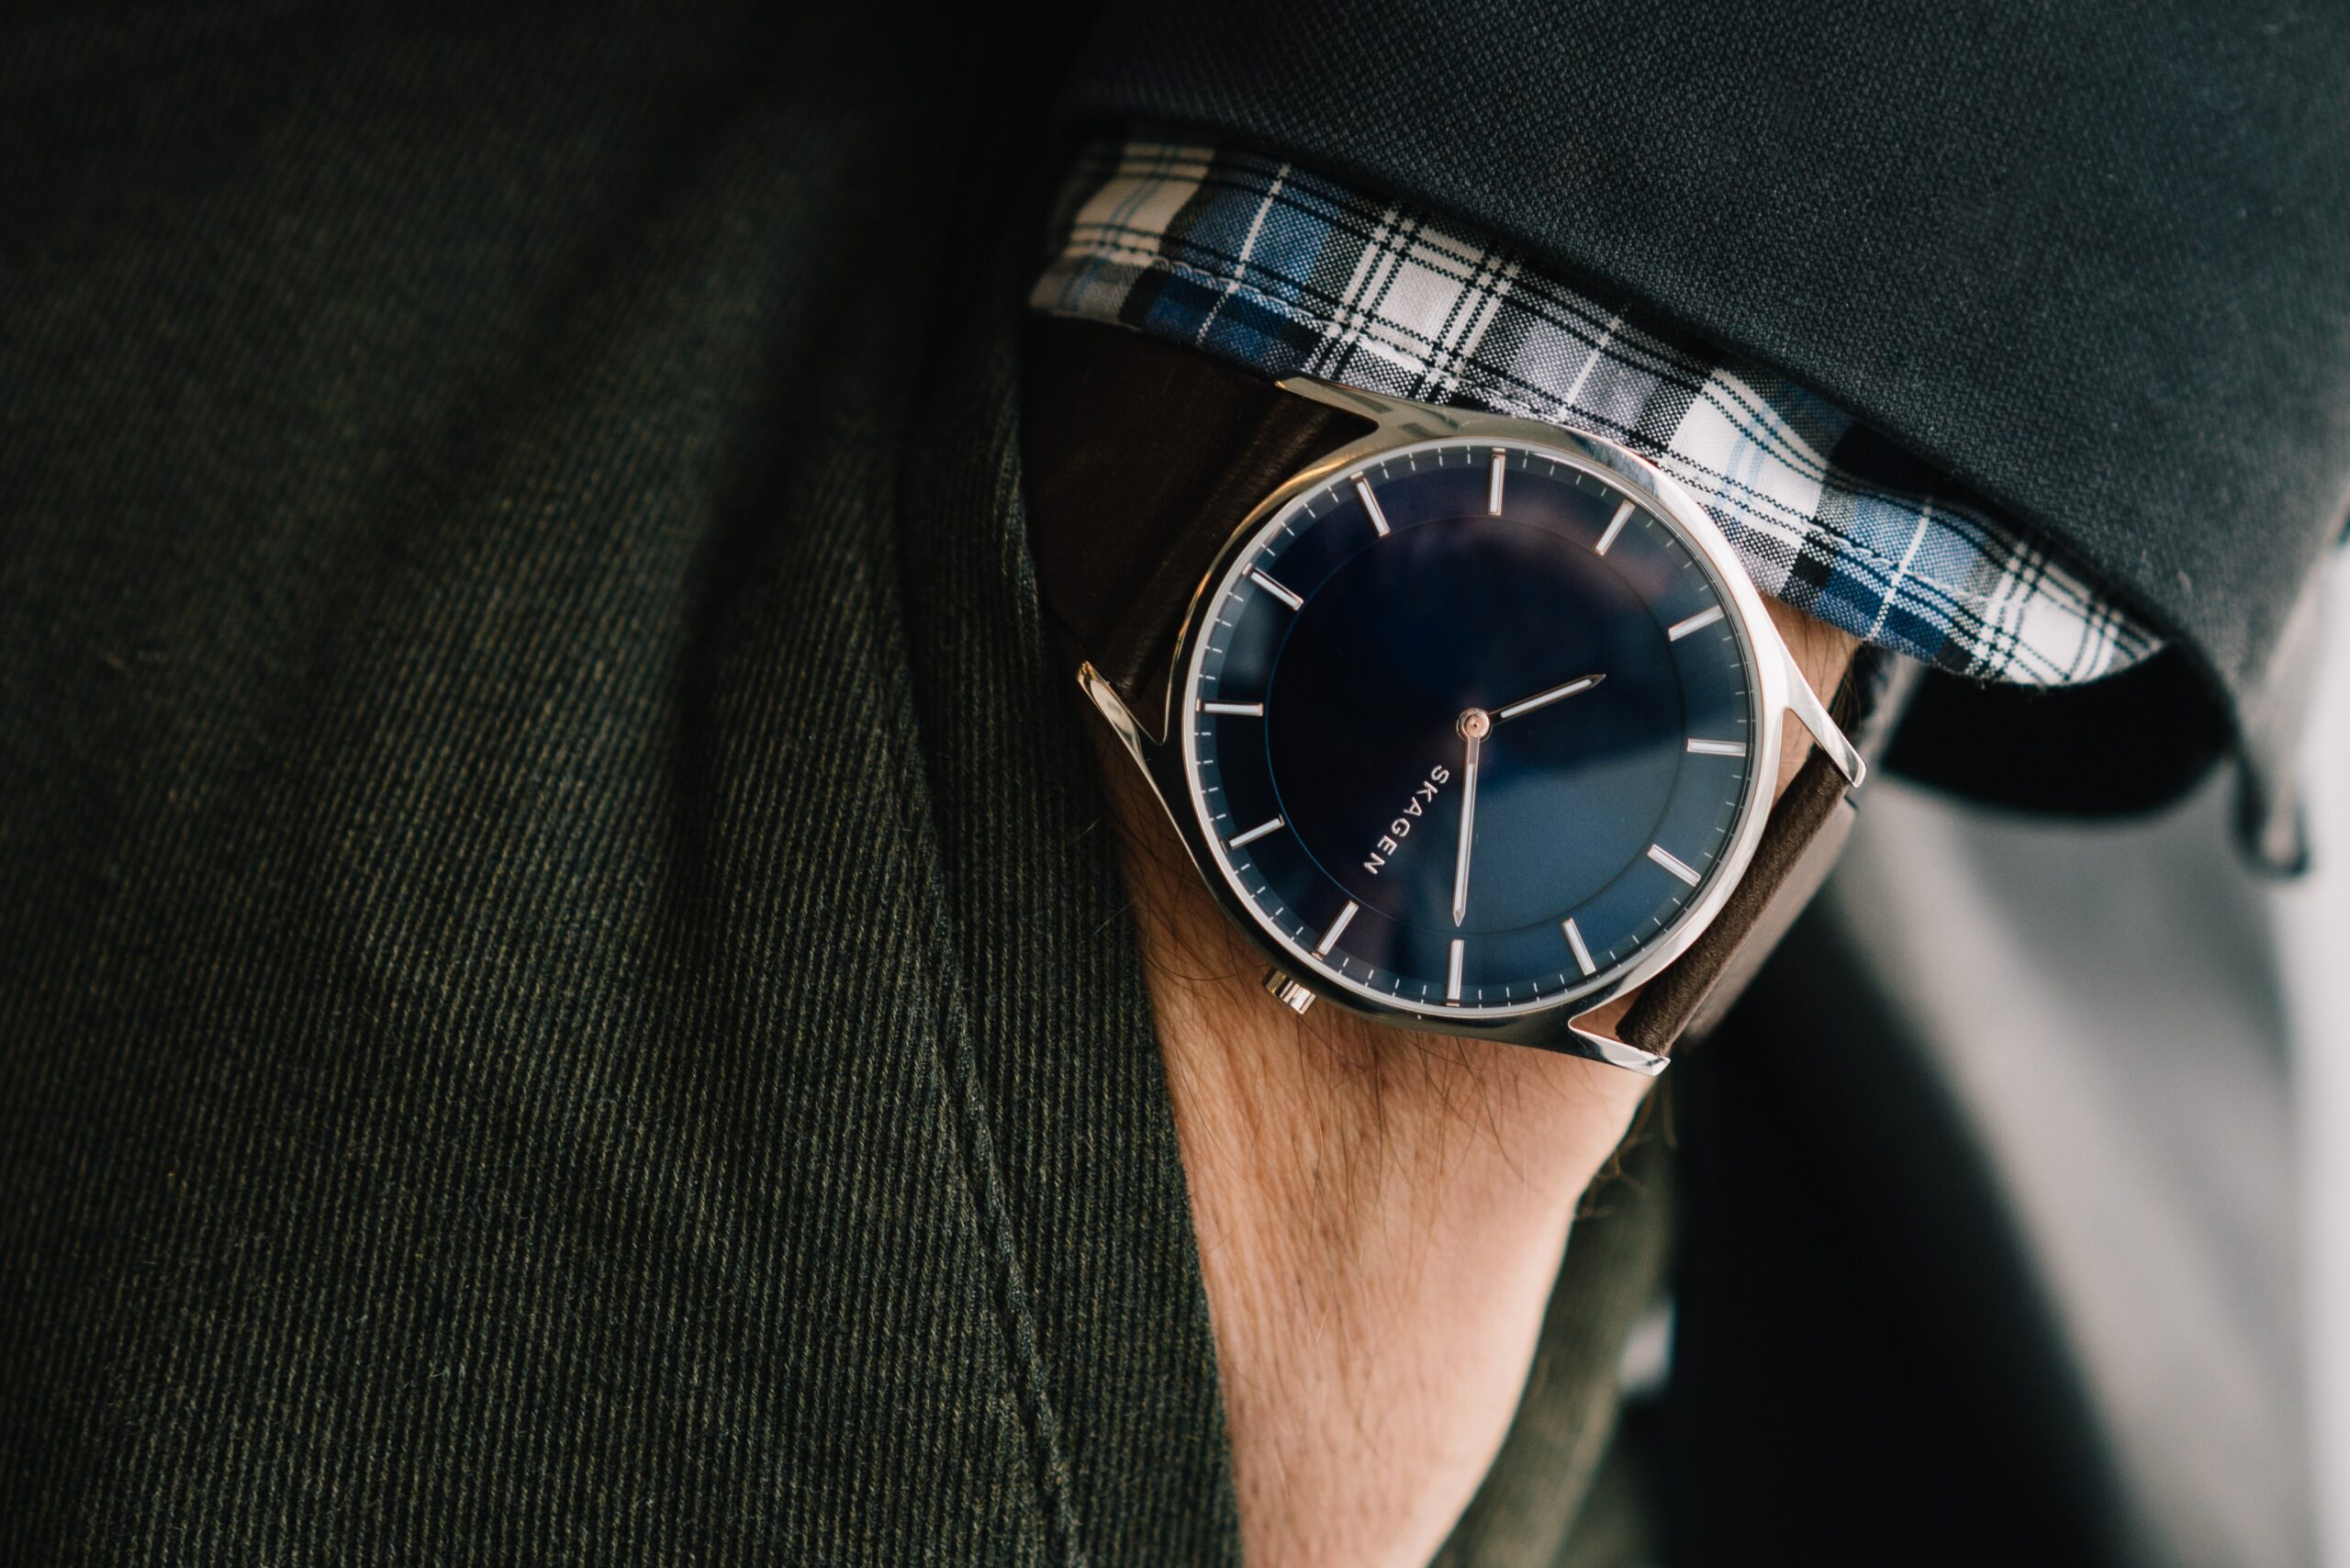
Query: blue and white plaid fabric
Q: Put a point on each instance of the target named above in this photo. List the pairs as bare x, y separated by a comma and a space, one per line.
1288, 273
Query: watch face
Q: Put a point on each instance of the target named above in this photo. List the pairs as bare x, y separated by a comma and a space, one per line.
1471, 729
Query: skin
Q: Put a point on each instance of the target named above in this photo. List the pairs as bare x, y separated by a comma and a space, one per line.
1380, 1213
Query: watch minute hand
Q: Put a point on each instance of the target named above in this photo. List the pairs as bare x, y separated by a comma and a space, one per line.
1544, 699
1472, 726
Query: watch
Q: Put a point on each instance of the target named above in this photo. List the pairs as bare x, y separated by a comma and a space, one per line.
1470, 723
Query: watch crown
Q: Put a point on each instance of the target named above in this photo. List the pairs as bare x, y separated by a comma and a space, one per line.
1287, 991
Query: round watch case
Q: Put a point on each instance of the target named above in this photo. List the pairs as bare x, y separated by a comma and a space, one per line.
1405, 430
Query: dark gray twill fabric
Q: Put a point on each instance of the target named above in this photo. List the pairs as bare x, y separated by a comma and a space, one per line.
561, 999
2092, 258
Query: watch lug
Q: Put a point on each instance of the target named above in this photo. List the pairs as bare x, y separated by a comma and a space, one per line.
1112, 709
1392, 416
1595, 1047
1149, 756
1806, 705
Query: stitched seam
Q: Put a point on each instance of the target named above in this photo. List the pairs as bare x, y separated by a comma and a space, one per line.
975, 1161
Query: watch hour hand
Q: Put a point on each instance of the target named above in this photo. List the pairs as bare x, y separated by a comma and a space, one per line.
1544, 699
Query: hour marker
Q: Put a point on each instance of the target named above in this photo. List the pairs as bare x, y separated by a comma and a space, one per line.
1574, 940
1615, 526
1657, 852
1257, 711
1370, 505
1493, 494
1716, 748
1254, 834
1283, 594
1452, 978
1696, 622
1337, 929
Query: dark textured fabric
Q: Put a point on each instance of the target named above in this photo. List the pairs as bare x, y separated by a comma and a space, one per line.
561, 997
2093, 259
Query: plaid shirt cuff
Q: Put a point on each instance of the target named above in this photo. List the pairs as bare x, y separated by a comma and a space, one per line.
1287, 273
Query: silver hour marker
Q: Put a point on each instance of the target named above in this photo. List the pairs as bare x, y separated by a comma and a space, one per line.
1285, 595
1257, 711
1452, 980
1657, 853
1696, 622
1716, 748
1337, 929
1254, 834
1582, 954
1615, 526
1494, 496
1370, 505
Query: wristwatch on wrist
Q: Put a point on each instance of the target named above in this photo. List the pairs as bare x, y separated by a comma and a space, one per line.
1470, 723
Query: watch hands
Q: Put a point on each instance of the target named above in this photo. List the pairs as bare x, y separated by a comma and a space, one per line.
1474, 726
1544, 699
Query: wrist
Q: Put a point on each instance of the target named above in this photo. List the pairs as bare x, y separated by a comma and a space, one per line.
1379, 1217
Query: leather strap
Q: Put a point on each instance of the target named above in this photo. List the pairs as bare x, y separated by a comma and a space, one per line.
1141, 459
1799, 845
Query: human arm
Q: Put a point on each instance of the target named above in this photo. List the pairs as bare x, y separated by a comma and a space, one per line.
1380, 1215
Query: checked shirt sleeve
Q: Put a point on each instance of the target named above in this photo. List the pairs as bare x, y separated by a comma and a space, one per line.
1288, 273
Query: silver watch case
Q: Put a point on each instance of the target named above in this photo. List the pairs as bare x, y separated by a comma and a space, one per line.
1561, 1025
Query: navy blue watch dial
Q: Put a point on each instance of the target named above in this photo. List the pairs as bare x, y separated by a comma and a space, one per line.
1471, 728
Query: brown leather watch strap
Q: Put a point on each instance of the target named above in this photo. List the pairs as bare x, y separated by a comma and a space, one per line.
1799, 845
1141, 459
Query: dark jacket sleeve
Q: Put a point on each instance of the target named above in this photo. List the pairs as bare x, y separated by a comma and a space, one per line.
2096, 264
